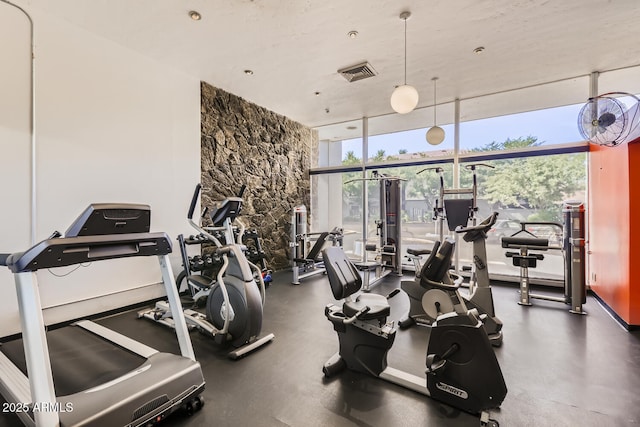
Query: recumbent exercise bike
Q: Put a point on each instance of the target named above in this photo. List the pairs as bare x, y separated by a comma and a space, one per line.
426, 303
461, 367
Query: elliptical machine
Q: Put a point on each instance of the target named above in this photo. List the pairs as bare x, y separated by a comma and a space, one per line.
234, 301
427, 303
461, 367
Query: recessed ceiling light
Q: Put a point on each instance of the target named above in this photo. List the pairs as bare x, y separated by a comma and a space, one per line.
352, 34
195, 15
248, 72
479, 49
316, 93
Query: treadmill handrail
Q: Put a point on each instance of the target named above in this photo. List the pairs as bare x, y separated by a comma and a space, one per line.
65, 251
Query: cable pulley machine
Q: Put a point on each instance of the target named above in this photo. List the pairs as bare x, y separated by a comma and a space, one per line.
388, 229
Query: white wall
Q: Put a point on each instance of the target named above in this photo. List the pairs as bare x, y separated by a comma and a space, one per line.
111, 126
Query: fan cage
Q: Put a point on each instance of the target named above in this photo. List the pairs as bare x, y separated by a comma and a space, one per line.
594, 119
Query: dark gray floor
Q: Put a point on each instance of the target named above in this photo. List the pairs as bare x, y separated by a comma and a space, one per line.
561, 369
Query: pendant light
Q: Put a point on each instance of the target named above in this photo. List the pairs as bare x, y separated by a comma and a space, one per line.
435, 135
405, 97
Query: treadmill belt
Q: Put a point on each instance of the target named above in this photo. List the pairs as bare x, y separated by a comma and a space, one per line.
79, 359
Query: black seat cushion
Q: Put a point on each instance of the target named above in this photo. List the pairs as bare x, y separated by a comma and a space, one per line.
418, 252
435, 269
378, 305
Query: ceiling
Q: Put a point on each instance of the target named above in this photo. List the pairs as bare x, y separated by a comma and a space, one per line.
295, 47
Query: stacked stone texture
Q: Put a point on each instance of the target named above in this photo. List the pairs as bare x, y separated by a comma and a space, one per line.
245, 144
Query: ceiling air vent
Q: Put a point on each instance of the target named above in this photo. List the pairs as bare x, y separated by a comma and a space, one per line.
358, 72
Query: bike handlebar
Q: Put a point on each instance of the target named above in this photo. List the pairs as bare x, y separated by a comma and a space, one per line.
483, 226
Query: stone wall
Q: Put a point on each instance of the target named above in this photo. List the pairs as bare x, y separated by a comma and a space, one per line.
243, 143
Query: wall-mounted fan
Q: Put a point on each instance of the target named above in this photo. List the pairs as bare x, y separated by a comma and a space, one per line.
605, 120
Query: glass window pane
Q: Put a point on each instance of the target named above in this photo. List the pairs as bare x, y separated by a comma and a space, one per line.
403, 136
338, 144
526, 190
517, 131
338, 203
540, 115
408, 145
420, 189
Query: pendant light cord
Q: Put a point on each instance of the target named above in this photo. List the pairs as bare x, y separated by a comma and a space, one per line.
405, 51
435, 123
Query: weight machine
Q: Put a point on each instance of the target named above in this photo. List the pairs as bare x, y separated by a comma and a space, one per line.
388, 258
306, 260
573, 230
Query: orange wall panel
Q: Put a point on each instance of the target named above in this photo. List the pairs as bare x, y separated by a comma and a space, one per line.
610, 235
634, 235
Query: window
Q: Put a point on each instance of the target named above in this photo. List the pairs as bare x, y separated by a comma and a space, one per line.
339, 144
399, 137
336, 202
546, 166
530, 189
522, 130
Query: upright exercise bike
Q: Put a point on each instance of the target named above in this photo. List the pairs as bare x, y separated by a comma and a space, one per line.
461, 367
234, 301
427, 303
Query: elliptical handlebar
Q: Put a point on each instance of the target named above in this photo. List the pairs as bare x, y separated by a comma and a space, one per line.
3, 259
195, 225
194, 200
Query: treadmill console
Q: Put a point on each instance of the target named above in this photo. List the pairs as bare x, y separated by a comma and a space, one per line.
111, 218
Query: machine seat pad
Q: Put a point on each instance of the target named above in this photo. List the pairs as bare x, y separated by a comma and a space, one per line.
200, 281
418, 252
537, 244
306, 260
378, 305
366, 265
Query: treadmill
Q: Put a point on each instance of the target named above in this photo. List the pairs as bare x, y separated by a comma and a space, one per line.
154, 384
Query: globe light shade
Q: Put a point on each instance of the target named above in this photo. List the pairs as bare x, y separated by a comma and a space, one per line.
435, 135
404, 99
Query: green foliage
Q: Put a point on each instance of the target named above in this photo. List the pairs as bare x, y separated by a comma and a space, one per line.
351, 159
510, 144
379, 156
353, 188
540, 183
